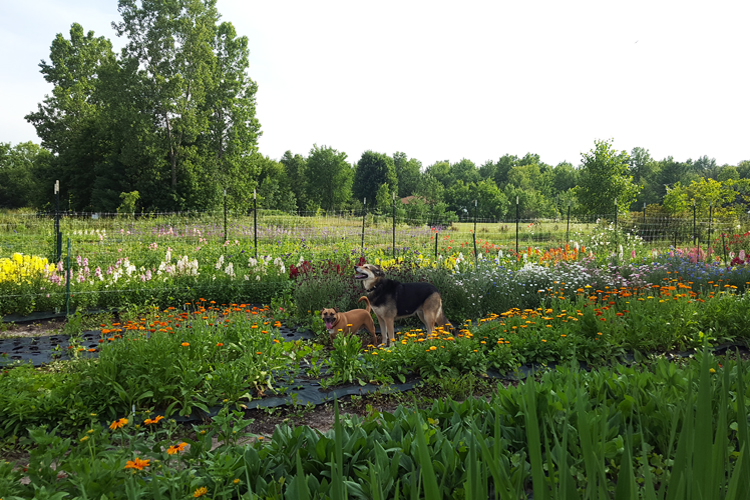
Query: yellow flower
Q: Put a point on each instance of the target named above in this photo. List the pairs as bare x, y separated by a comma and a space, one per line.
200, 492
236, 481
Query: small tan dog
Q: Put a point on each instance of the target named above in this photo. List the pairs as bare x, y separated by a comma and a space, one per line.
349, 322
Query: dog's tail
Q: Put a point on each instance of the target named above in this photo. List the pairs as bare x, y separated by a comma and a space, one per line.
366, 300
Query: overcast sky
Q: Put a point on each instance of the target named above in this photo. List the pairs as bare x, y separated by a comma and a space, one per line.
446, 81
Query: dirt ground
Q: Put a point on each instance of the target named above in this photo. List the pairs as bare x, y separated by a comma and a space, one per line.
33, 328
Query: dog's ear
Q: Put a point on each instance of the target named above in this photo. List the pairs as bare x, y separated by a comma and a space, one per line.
377, 271
336, 310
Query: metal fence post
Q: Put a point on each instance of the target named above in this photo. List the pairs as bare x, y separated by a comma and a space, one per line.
255, 220
67, 282
567, 228
437, 235
695, 234
517, 220
225, 215
474, 234
617, 236
58, 235
394, 224
364, 216
710, 222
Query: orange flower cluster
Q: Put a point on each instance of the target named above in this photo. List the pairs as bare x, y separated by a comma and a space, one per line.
211, 315
137, 464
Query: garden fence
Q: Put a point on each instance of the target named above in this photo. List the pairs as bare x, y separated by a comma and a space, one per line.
269, 231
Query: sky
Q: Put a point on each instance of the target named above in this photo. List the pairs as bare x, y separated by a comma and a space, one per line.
452, 80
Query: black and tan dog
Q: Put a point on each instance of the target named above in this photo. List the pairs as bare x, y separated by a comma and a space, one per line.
392, 300
349, 322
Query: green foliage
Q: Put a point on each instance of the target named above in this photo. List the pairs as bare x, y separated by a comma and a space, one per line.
373, 170
408, 174
197, 123
128, 202
345, 365
605, 178
24, 176
329, 178
620, 432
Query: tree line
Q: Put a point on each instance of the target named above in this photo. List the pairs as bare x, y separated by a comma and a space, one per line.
169, 124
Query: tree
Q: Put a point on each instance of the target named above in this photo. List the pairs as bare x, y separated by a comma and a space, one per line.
743, 168
173, 117
706, 167
563, 177
329, 179
296, 173
491, 201
465, 171
23, 175
669, 173
372, 171
727, 172
527, 177
441, 171
605, 178
408, 173
69, 121
502, 168
274, 188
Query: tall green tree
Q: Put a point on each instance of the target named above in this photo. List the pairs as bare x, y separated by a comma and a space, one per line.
605, 177
329, 179
372, 171
441, 170
296, 173
24, 175
69, 120
465, 171
274, 188
502, 169
408, 173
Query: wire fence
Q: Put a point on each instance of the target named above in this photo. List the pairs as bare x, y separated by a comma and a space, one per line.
268, 232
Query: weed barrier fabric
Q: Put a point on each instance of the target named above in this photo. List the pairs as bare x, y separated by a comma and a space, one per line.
44, 349
304, 393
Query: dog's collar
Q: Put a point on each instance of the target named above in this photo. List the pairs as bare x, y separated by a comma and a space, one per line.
374, 286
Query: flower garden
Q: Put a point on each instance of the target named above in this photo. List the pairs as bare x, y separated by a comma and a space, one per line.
632, 357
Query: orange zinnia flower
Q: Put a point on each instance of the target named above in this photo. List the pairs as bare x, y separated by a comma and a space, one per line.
137, 464
200, 492
185, 344
117, 424
149, 421
176, 448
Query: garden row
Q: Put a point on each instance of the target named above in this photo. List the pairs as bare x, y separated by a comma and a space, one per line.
172, 269
198, 357
661, 431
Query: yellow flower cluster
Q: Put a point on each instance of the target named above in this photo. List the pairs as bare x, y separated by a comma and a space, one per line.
21, 268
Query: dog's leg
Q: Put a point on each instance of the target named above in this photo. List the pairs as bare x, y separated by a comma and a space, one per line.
391, 331
370, 326
383, 329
